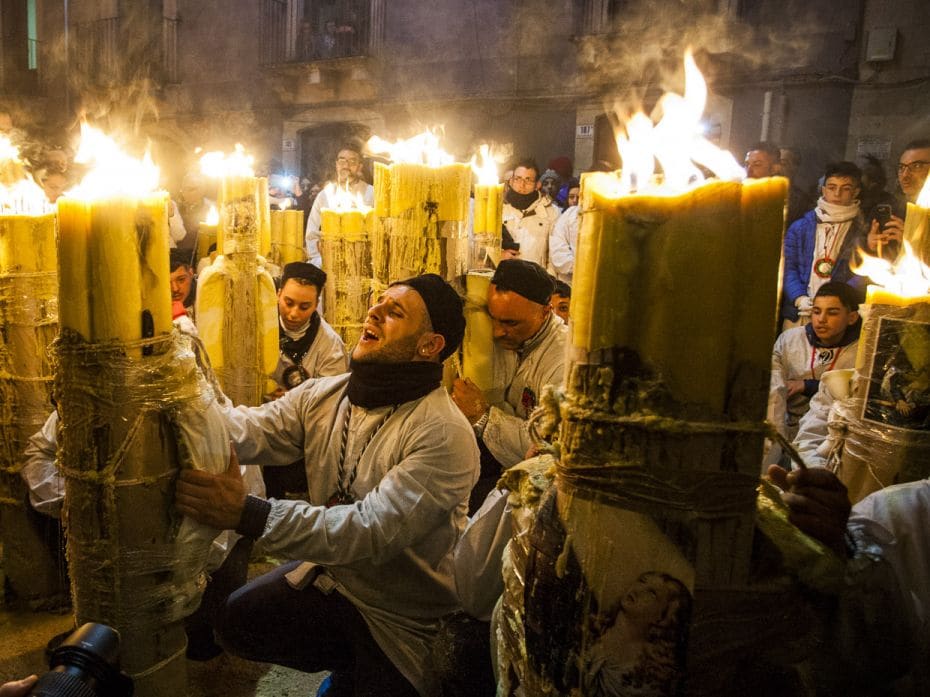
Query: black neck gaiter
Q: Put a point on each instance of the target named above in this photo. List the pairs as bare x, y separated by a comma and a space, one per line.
521, 201
373, 385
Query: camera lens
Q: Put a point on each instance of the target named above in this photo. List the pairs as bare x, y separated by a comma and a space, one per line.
86, 665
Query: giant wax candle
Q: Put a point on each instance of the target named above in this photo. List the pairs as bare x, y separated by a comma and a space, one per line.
898, 287
117, 453
478, 343
421, 200
345, 246
487, 214
660, 419
113, 254
292, 240
884, 438
237, 312
646, 263
287, 236
29, 324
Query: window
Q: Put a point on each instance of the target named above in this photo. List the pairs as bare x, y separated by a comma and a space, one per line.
32, 36
311, 30
19, 46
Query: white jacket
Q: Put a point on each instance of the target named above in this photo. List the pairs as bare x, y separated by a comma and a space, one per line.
327, 198
563, 243
326, 356
523, 377
390, 552
46, 485
813, 440
794, 358
531, 228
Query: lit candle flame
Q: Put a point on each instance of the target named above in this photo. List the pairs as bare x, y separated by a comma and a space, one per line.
907, 276
422, 149
218, 164
676, 142
112, 172
346, 200
19, 194
486, 172
213, 216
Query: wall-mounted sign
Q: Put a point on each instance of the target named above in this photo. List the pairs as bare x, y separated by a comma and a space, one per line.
876, 146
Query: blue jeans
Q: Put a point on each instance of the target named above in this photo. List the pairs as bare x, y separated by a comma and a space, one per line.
267, 620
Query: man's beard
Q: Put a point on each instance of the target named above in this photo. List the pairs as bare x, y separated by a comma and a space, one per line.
400, 351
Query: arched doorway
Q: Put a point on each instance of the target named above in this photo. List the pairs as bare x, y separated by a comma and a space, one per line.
320, 144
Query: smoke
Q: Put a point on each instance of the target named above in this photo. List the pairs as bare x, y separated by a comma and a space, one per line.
641, 57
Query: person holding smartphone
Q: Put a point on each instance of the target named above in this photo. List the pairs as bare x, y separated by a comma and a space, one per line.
886, 228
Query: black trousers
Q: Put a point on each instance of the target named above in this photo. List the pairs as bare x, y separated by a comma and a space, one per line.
268, 620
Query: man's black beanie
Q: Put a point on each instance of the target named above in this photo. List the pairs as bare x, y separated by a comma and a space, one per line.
524, 278
304, 271
444, 307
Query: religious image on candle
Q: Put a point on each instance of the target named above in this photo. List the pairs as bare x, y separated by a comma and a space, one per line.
899, 380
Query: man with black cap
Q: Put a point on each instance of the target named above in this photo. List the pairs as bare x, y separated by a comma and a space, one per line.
390, 464
310, 348
183, 286
529, 347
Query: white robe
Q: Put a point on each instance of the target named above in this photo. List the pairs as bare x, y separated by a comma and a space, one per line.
563, 244
326, 356
793, 358
390, 552
523, 378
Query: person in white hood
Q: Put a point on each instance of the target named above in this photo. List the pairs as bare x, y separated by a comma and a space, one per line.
390, 464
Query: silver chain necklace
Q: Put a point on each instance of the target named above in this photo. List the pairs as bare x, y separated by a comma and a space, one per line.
343, 494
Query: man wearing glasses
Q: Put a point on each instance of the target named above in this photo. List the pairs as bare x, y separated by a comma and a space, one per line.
913, 167
528, 214
348, 190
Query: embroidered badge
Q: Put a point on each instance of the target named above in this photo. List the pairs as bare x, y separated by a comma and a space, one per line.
528, 400
824, 356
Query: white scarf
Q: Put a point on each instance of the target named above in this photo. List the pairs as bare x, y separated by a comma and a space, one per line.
835, 213
294, 336
833, 222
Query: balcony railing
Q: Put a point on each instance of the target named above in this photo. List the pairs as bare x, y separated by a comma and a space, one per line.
301, 32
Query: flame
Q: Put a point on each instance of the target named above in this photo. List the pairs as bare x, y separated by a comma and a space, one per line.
8, 151
344, 200
113, 172
676, 142
923, 198
19, 194
422, 149
218, 164
486, 173
907, 276
213, 216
